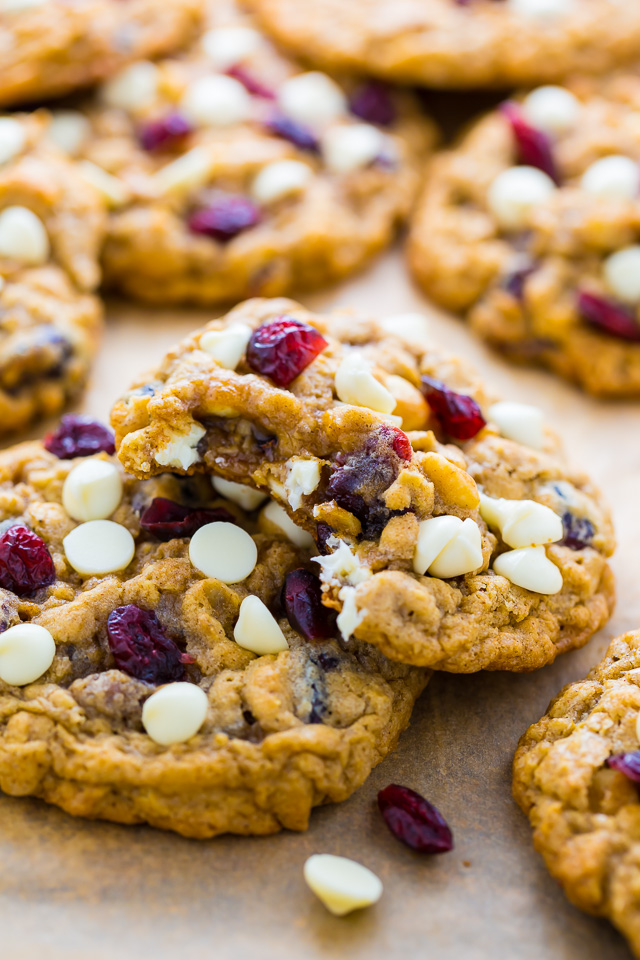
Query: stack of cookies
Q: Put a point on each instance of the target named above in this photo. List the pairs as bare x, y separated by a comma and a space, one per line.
219, 613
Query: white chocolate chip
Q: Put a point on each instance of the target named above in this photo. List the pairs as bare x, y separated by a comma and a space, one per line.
238, 493
216, 101
516, 192
312, 98
522, 523
182, 451
303, 477
448, 547
349, 618
257, 630
227, 346
174, 713
99, 547
23, 236
226, 46
188, 172
342, 885
69, 130
224, 551
520, 422
622, 273
615, 178
26, 652
12, 138
280, 179
541, 10
356, 384
352, 147
529, 567
92, 490
341, 564
553, 110
410, 327
112, 189
133, 88
276, 515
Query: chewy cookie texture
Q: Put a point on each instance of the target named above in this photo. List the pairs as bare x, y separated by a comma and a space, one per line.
144, 680
457, 43
231, 172
449, 531
576, 775
50, 47
530, 227
52, 225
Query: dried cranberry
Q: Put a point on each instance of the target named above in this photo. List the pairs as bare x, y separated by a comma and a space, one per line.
25, 561
79, 437
414, 821
373, 102
165, 519
533, 146
608, 316
458, 413
323, 532
515, 280
302, 602
361, 478
627, 763
296, 133
166, 132
141, 648
225, 217
402, 444
283, 348
254, 86
578, 531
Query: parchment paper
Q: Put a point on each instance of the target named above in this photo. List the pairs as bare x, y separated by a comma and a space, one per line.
72, 890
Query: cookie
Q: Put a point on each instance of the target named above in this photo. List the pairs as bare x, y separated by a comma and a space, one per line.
531, 225
457, 43
50, 47
231, 172
148, 668
52, 224
450, 532
576, 775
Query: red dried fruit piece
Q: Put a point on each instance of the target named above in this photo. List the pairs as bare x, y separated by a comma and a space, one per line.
627, 763
224, 218
79, 437
25, 561
168, 131
402, 444
578, 531
373, 102
251, 84
414, 821
294, 132
141, 648
458, 413
302, 602
165, 519
534, 147
608, 316
283, 348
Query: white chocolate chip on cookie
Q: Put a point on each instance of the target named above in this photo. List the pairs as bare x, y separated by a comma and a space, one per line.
92, 490
521, 422
227, 346
516, 192
522, 523
353, 147
529, 567
448, 547
12, 138
356, 384
99, 547
26, 652
239, 493
312, 98
23, 236
615, 178
224, 551
175, 713
216, 101
257, 630
280, 179
227, 46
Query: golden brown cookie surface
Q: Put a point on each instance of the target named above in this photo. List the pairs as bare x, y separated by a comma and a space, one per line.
530, 227
414, 483
570, 780
279, 733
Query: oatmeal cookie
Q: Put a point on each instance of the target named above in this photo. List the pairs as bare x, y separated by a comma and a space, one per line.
531, 227
50, 47
576, 775
232, 173
152, 667
52, 224
450, 532
457, 43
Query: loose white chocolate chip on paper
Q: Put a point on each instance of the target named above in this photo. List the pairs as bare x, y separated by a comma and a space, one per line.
341, 884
